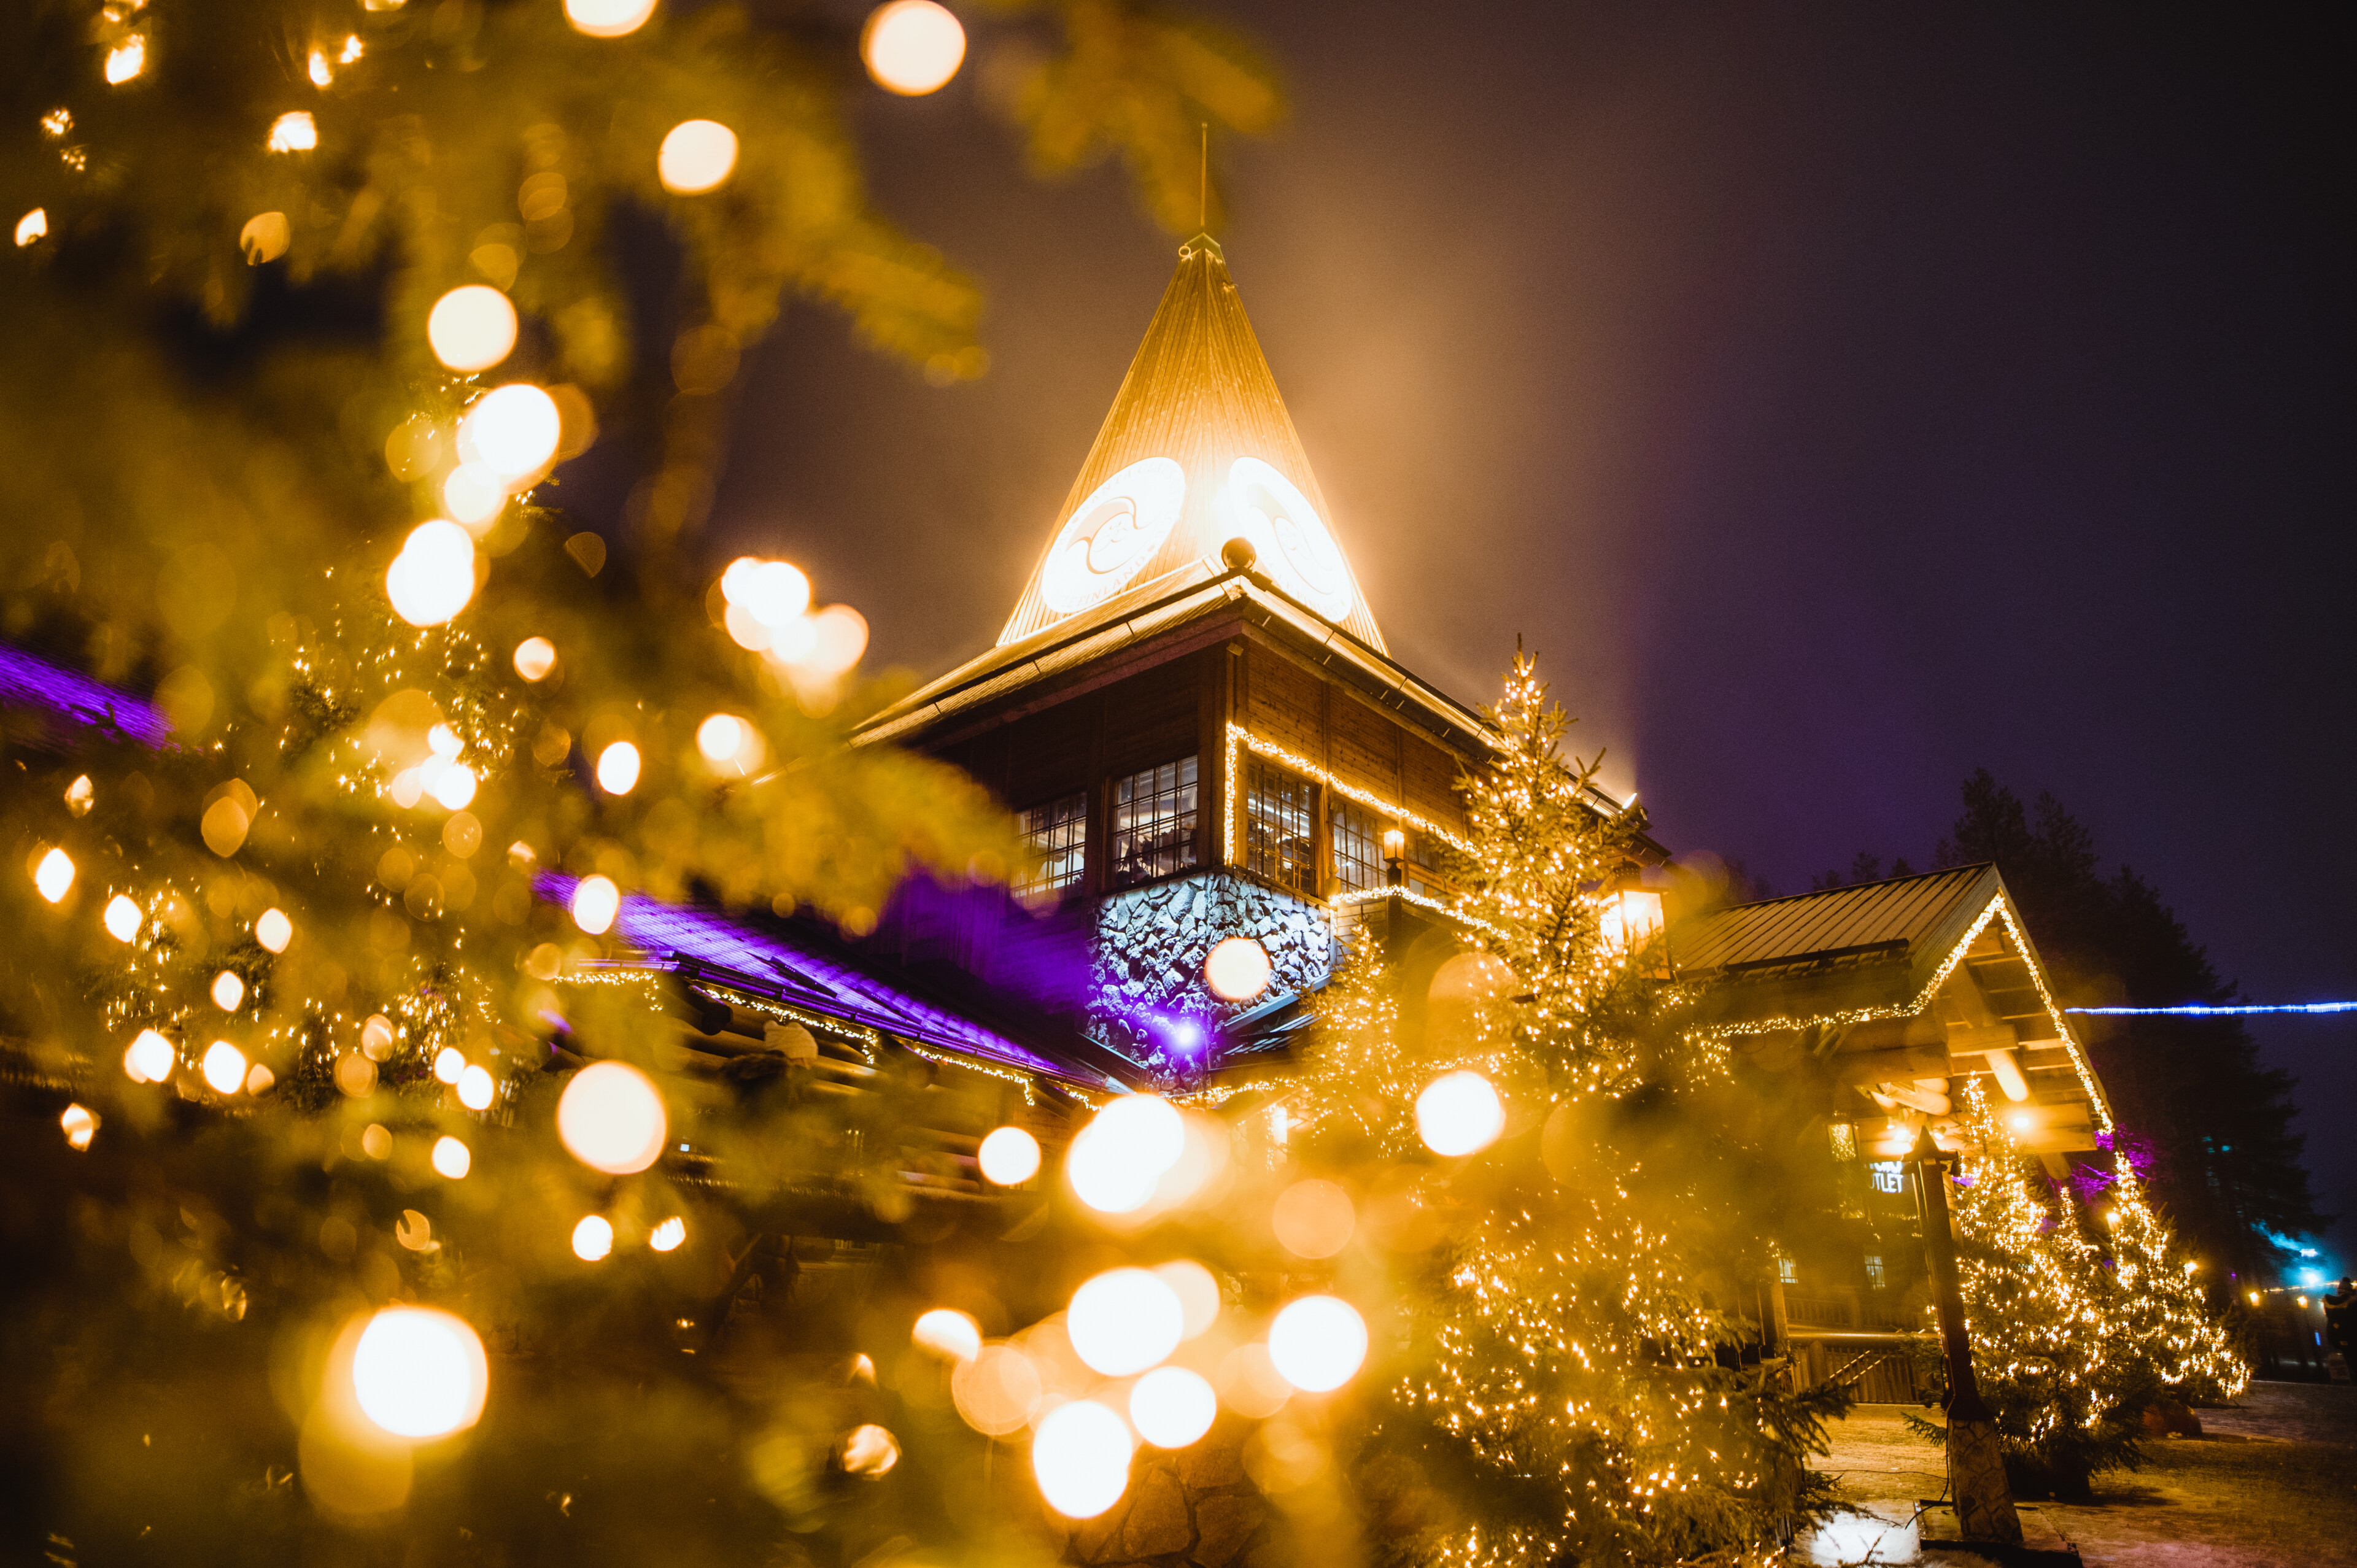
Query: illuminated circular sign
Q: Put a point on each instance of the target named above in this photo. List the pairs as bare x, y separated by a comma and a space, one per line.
1113, 535
1294, 548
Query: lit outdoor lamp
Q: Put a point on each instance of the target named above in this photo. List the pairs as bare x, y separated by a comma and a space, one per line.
1395, 854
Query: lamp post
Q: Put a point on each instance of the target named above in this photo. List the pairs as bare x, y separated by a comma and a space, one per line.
1983, 1500
1395, 854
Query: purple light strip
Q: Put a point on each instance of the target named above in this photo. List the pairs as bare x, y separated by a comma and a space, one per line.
660, 930
29, 681
2210, 1010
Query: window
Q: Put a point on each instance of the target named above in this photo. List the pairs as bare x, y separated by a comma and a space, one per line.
1057, 833
1844, 1138
1154, 822
1357, 846
1281, 816
1875, 1275
1787, 1273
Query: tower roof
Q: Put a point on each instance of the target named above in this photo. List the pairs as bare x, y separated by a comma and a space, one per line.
1197, 450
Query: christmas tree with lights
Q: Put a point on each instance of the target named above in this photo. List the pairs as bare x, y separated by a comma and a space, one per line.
339, 1187
1560, 1175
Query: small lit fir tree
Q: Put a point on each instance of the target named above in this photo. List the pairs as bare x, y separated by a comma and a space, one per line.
2077, 1327
287, 1009
1569, 1383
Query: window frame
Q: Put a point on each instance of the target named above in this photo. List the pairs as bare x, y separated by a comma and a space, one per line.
1174, 833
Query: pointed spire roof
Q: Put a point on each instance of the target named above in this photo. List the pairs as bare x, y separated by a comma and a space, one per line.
1197, 450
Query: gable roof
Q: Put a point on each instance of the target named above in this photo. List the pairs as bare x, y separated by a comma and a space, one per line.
1196, 449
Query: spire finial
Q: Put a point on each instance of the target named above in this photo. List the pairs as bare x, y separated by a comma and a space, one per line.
1203, 191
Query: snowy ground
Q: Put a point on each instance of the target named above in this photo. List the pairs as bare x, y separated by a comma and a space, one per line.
2273, 1481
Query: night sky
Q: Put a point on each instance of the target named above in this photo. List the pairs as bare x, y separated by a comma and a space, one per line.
1836, 398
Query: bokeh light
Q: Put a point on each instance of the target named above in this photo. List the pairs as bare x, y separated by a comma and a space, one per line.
126, 60
869, 1451
121, 919
1009, 1157
1237, 968
611, 1118
534, 658
274, 931
720, 737
596, 902
259, 1077
419, 1372
454, 786
1117, 1158
79, 1124
1313, 1218
449, 1065
471, 328
697, 156
294, 131
224, 1068
150, 1059
593, 1237
996, 1391
1172, 1407
1198, 1290
1125, 1320
1080, 1457
1318, 1343
617, 769
949, 1333
452, 1159
474, 495
32, 226
1459, 1114
668, 1235
913, 47
478, 1089
772, 591
229, 991
608, 18
53, 876
512, 430
434, 577
838, 636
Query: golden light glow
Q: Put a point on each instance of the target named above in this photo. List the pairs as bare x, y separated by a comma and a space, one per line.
273, 930
2007, 1069
259, 1078
126, 60
596, 902
53, 874
321, 72
774, 593
593, 1237
1198, 1290
720, 737
534, 658
80, 1123
512, 430
452, 1159
1459, 1114
608, 18
949, 1333
32, 226
295, 132
610, 1118
229, 991
668, 1235
449, 1065
1172, 1407
224, 1068
150, 1059
351, 51
454, 786
1395, 843
913, 47
1009, 1157
376, 1036
1125, 1320
838, 635
478, 1089
698, 156
617, 769
1080, 1457
1112, 534
473, 495
1116, 1160
434, 577
997, 1390
420, 1373
1318, 1343
121, 919
1250, 1384
1313, 1218
1237, 968
869, 1451
471, 328
1260, 504
1241, 739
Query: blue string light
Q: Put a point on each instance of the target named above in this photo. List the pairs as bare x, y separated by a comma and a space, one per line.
2204, 1010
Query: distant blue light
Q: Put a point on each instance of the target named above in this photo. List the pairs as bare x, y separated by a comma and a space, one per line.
2311, 1276
2205, 1010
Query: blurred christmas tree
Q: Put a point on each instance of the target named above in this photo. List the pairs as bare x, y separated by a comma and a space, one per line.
305, 685
1570, 1182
